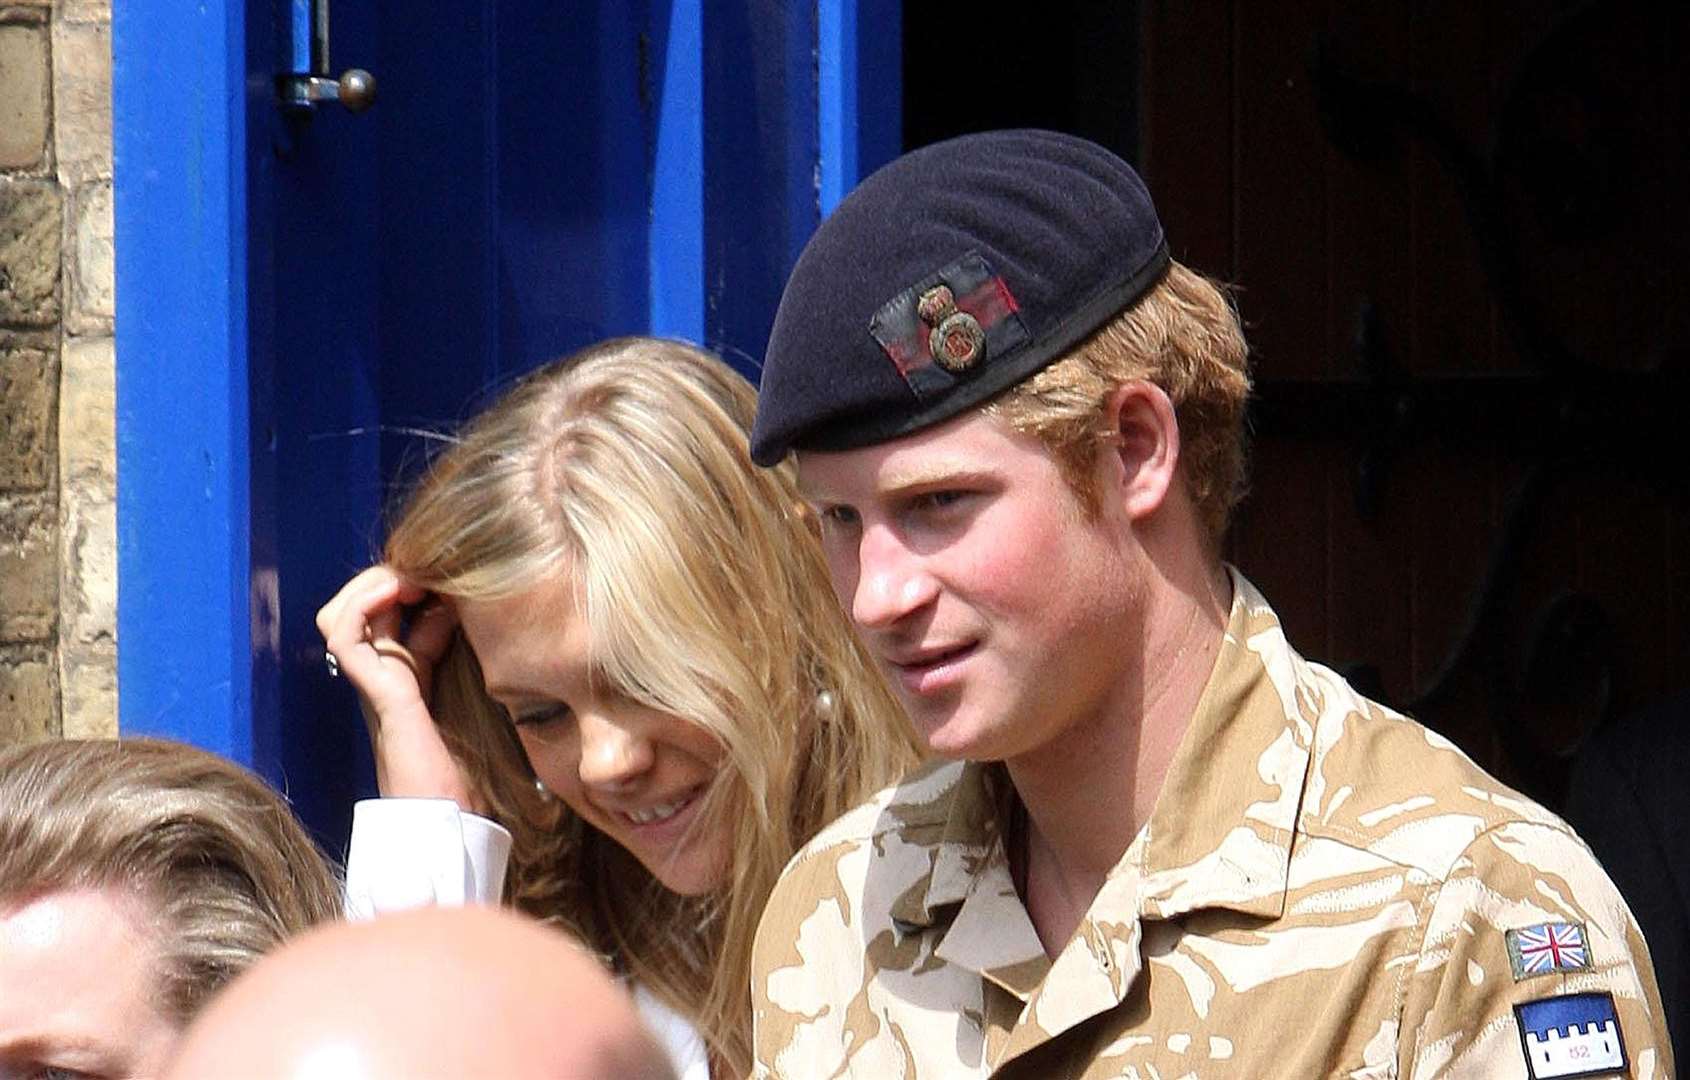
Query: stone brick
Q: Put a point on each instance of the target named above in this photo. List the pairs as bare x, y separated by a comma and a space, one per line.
88, 410
41, 339
84, 10
25, 101
31, 216
82, 100
28, 698
88, 691
29, 569
89, 303
28, 390
87, 564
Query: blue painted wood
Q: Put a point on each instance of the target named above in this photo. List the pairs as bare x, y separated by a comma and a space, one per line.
760, 196
858, 78
266, 40
299, 35
316, 481
180, 118
879, 65
836, 100
572, 146
676, 243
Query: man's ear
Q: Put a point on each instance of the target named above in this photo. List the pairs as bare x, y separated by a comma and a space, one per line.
1145, 445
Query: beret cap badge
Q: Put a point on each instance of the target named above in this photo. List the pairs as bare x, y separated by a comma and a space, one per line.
935, 304
945, 326
956, 340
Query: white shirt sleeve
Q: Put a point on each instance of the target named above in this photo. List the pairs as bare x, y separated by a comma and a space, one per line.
408, 853
679, 1039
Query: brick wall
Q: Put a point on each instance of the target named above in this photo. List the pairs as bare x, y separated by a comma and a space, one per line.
58, 563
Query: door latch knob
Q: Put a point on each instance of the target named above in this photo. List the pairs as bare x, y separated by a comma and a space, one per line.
355, 89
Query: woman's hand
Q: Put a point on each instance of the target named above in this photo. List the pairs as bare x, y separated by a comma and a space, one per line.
362, 628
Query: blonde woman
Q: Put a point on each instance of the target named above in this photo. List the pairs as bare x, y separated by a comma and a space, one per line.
598, 624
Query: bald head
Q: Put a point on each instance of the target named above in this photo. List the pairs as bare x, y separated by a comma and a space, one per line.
439, 992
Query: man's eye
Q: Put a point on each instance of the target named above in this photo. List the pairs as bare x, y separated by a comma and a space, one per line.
939, 500
839, 516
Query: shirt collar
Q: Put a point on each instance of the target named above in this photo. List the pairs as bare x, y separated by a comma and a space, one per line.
965, 817
1228, 845
1206, 845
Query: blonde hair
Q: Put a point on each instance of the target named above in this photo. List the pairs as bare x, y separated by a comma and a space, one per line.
1183, 336
212, 852
706, 597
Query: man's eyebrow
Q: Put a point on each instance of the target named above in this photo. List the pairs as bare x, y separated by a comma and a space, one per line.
938, 474
925, 476
807, 492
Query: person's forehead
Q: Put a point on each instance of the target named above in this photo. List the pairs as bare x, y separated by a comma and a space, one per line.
521, 640
974, 444
58, 923
90, 966
533, 608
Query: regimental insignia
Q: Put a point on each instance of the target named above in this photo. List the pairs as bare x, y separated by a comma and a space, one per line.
955, 338
1547, 948
1571, 1035
949, 326
935, 304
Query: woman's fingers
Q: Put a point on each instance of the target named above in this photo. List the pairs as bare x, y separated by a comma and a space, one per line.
369, 584
384, 617
369, 578
389, 659
432, 628
363, 637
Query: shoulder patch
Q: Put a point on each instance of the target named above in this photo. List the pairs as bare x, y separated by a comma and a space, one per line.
1571, 1035
1547, 948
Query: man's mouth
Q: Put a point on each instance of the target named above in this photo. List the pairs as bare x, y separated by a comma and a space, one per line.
923, 669
926, 658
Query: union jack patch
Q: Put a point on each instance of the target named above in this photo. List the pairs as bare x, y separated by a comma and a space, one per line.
1547, 948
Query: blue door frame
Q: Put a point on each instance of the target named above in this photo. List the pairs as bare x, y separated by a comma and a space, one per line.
295, 300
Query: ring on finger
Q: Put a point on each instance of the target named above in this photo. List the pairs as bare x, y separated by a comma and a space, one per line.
332, 662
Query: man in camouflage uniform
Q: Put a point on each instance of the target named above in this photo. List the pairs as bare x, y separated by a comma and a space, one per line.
1168, 845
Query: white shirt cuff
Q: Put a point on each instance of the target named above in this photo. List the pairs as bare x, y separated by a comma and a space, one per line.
408, 853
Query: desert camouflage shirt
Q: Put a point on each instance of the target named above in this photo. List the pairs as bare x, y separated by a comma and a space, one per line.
1323, 889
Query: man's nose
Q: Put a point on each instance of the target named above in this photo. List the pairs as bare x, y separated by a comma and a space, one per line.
892, 581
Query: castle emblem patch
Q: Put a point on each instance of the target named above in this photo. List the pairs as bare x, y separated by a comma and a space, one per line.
1571, 1035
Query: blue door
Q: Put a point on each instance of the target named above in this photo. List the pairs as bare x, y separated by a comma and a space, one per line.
306, 298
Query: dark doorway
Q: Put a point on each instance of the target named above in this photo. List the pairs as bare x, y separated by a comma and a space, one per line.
1069, 65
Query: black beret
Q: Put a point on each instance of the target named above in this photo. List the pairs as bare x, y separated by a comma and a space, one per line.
947, 276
